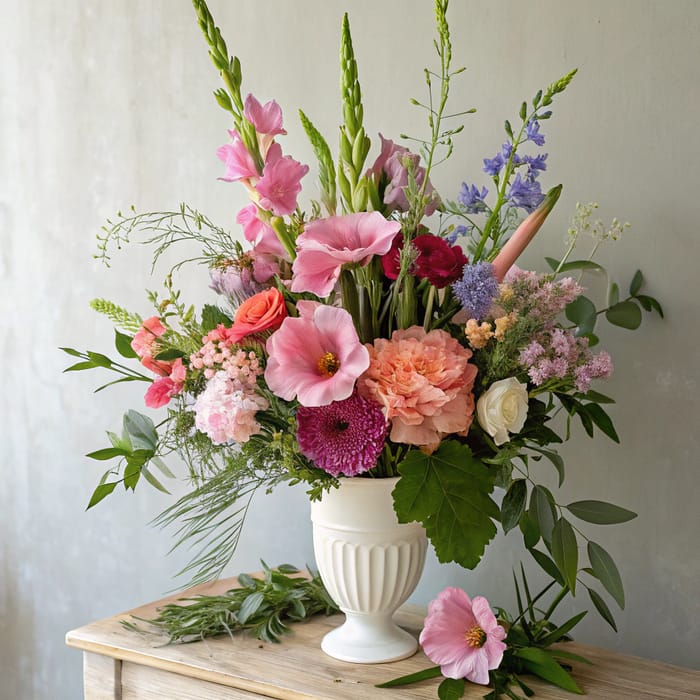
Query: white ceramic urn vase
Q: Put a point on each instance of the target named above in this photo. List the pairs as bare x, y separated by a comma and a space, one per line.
370, 564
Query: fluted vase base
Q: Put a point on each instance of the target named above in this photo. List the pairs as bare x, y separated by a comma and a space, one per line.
369, 639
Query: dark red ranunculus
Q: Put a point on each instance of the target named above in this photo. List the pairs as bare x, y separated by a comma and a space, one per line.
391, 261
438, 261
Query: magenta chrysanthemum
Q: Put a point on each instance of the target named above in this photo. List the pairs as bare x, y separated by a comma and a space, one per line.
344, 437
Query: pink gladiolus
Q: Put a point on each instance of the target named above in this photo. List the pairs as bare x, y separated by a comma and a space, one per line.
267, 118
463, 636
259, 233
328, 244
316, 357
281, 182
239, 163
517, 243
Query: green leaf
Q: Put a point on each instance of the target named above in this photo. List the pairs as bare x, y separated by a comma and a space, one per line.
72, 352
626, 314
559, 632
559, 652
530, 530
424, 675
250, 606
212, 316
141, 430
448, 491
541, 663
163, 467
582, 312
99, 360
600, 512
598, 397
554, 458
132, 473
565, 551
547, 565
613, 294
169, 354
102, 491
573, 265
151, 479
649, 303
513, 504
602, 608
78, 366
107, 453
602, 420
636, 283
606, 572
542, 511
451, 689
123, 344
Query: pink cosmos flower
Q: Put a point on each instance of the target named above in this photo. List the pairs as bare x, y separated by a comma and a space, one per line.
316, 357
281, 182
463, 636
239, 163
267, 118
328, 244
424, 382
259, 233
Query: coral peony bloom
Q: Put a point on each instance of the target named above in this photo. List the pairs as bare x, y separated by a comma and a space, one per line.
463, 636
344, 437
263, 311
267, 118
328, 244
259, 233
281, 182
316, 357
438, 262
239, 163
424, 382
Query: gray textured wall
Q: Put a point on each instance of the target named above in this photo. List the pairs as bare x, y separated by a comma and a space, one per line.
107, 104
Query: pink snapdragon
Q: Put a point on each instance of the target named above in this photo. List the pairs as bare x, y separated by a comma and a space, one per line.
281, 182
328, 244
239, 163
463, 636
316, 357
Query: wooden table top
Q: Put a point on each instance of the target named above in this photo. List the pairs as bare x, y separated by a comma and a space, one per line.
297, 669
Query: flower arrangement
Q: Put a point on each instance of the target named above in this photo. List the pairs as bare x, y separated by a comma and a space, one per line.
382, 331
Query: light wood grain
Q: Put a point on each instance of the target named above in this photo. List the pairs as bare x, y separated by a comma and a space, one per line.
101, 677
298, 670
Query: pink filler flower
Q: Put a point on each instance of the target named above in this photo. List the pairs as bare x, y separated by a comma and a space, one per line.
316, 357
463, 636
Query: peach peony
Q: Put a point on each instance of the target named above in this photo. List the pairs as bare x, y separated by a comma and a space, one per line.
424, 383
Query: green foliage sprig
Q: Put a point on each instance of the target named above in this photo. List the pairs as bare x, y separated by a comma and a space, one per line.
262, 606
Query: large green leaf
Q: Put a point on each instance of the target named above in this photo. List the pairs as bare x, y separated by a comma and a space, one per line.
606, 572
141, 430
541, 663
448, 491
600, 512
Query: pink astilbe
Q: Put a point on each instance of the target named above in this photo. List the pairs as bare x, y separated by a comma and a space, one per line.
463, 636
315, 358
328, 244
424, 383
281, 182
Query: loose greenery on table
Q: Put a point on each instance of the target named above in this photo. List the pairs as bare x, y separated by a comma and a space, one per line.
261, 605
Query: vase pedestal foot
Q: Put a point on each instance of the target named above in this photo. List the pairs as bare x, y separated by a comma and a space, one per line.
369, 639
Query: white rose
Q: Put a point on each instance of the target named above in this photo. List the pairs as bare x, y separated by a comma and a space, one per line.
502, 409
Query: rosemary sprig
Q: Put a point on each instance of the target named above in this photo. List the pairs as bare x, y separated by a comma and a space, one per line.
259, 605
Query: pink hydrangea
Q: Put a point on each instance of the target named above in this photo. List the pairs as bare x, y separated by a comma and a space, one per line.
225, 412
463, 636
424, 382
316, 357
328, 244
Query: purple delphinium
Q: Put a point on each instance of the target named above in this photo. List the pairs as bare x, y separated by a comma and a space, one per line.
472, 199
525, 194
344, 437
532, 131
477, 289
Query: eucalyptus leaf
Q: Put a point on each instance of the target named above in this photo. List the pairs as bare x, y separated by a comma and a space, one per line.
606, 572
648, 303
600, 512
625, 314
613, 294
636, 283
582, 312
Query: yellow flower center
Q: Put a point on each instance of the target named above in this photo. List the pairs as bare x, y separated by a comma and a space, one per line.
328, 364
475, 637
